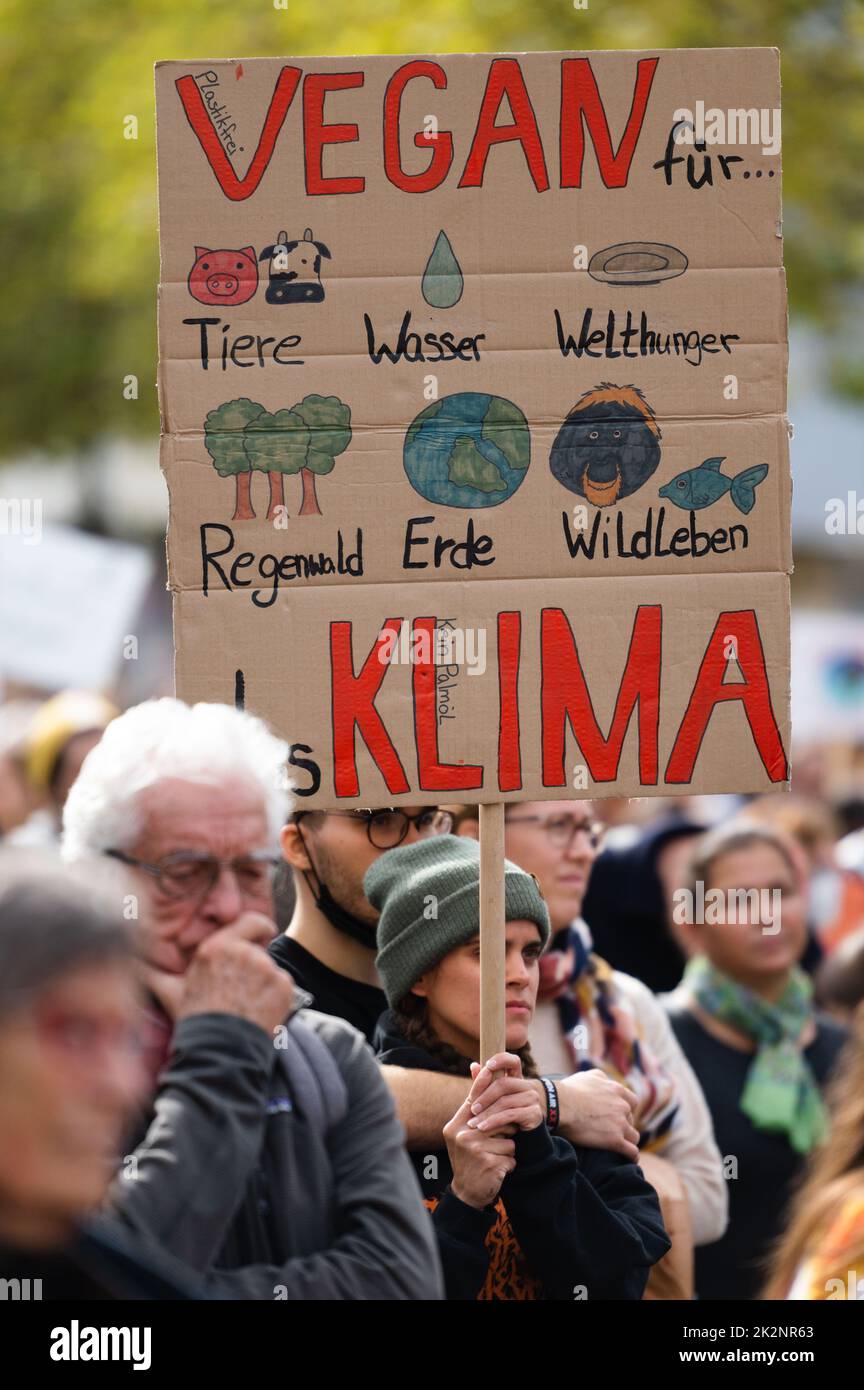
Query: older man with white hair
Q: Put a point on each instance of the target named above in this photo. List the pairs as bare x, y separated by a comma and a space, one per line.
271, 1161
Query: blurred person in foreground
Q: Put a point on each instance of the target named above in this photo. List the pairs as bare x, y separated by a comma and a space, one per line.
269, 1159
519, 1212
745, 1018
589, 1015
71, 1076
821, 1254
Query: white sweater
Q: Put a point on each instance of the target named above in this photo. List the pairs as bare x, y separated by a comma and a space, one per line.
691, 1147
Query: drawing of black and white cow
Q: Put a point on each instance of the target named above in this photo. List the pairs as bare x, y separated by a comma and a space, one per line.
294, 272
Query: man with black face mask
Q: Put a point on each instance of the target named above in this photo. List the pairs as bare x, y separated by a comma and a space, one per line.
329, 946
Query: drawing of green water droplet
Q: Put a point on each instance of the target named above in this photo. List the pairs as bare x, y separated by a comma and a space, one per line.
442, 279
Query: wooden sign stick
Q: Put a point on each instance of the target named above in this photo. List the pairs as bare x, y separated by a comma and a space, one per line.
492, 945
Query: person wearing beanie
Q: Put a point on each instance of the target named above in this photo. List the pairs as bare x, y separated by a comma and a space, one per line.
520, 1213
590, 1015
328, 947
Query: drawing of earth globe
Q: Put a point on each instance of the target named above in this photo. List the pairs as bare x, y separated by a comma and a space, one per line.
468, 450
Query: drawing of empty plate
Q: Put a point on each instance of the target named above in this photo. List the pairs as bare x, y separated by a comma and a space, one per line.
637, 263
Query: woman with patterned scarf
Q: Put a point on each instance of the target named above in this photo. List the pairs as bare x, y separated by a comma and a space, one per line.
744, 1015
589, 1015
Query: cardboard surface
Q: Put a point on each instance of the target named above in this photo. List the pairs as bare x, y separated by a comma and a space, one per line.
531, 357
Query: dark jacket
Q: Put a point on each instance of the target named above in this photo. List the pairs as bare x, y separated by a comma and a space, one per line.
276, 1168
582, 1219
100, 1262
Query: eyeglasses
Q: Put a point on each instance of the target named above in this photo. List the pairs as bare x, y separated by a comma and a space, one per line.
561, 830
385, 829
189, 875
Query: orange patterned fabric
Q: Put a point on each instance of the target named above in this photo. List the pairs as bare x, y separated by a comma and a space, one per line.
509, 1278
835, 1270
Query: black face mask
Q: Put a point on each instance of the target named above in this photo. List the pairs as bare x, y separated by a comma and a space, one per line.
338, 916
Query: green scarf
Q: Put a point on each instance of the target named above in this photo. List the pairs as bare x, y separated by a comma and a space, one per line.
780, 1092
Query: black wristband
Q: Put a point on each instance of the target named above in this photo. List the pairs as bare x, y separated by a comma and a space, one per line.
552, 1111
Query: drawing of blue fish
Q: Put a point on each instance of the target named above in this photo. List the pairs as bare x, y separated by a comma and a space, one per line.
699, 487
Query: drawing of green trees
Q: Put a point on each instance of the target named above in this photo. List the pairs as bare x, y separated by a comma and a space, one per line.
225, 439
277, 444
329, 423
242, 437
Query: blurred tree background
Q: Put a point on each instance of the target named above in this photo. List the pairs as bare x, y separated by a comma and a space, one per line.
79, 224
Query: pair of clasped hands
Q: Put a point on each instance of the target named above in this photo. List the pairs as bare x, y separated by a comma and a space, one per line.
595, 1111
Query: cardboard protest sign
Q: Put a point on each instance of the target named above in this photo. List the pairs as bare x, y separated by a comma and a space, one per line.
472, 377
66, 624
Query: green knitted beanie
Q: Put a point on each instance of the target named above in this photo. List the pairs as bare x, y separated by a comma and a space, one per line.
442, 872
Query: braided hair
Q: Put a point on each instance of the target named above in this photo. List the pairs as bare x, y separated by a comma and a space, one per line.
413, 1020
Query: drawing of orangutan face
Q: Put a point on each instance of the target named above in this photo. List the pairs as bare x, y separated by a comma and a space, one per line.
608, 446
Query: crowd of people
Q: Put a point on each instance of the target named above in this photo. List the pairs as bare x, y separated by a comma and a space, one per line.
240, 1040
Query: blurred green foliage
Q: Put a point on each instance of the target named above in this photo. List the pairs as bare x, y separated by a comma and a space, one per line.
79, 220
